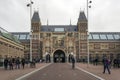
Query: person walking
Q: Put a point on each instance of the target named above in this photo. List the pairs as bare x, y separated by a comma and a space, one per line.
106, 64
10, 63
23, 62
6, 63
73, 62
17, 62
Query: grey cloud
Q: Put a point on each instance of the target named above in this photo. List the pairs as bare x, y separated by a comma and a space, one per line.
103, 16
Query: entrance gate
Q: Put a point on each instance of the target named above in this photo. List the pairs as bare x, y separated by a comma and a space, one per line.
59, 56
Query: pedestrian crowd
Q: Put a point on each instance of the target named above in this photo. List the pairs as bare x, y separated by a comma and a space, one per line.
14, 63
108, 63
113, 62
116, 63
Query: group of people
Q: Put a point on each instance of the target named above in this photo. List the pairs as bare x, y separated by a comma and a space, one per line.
16, 62
13, 63
116, 63
106, 64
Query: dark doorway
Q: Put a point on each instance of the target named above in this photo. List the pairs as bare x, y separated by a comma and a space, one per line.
59, 56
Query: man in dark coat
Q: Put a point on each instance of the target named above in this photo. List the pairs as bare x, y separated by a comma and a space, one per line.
6, 63
73, 62
23, 62
106, 64
17, 62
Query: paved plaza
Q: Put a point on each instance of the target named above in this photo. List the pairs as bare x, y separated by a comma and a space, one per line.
14, 74
59, 71
97, 70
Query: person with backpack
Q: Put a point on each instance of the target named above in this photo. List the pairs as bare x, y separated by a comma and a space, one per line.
106, 64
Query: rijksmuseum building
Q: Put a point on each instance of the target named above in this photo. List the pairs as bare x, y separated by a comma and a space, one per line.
59, 41
10, 46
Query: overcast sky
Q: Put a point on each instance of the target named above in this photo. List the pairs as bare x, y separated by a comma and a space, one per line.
104, 16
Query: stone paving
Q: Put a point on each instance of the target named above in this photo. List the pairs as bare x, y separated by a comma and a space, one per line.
13, 74
60, 71
97, 70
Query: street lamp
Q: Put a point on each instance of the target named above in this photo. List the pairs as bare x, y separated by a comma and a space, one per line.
88, 6
30, 5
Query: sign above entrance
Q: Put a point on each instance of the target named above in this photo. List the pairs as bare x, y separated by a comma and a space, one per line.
59, 29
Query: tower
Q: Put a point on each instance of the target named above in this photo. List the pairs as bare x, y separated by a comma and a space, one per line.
82, 31
36, 27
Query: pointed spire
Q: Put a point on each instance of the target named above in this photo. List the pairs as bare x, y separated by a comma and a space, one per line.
82, 16
36, 17
47, 22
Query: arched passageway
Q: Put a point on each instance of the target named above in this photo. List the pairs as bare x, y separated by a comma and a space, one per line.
59, 56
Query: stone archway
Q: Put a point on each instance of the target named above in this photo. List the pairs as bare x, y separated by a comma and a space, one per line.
59, 56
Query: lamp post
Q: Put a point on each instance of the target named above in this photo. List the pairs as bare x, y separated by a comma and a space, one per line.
88, 56
79, 45
30, 5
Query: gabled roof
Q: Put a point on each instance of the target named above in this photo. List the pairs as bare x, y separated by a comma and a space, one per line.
82, 16
36, 17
